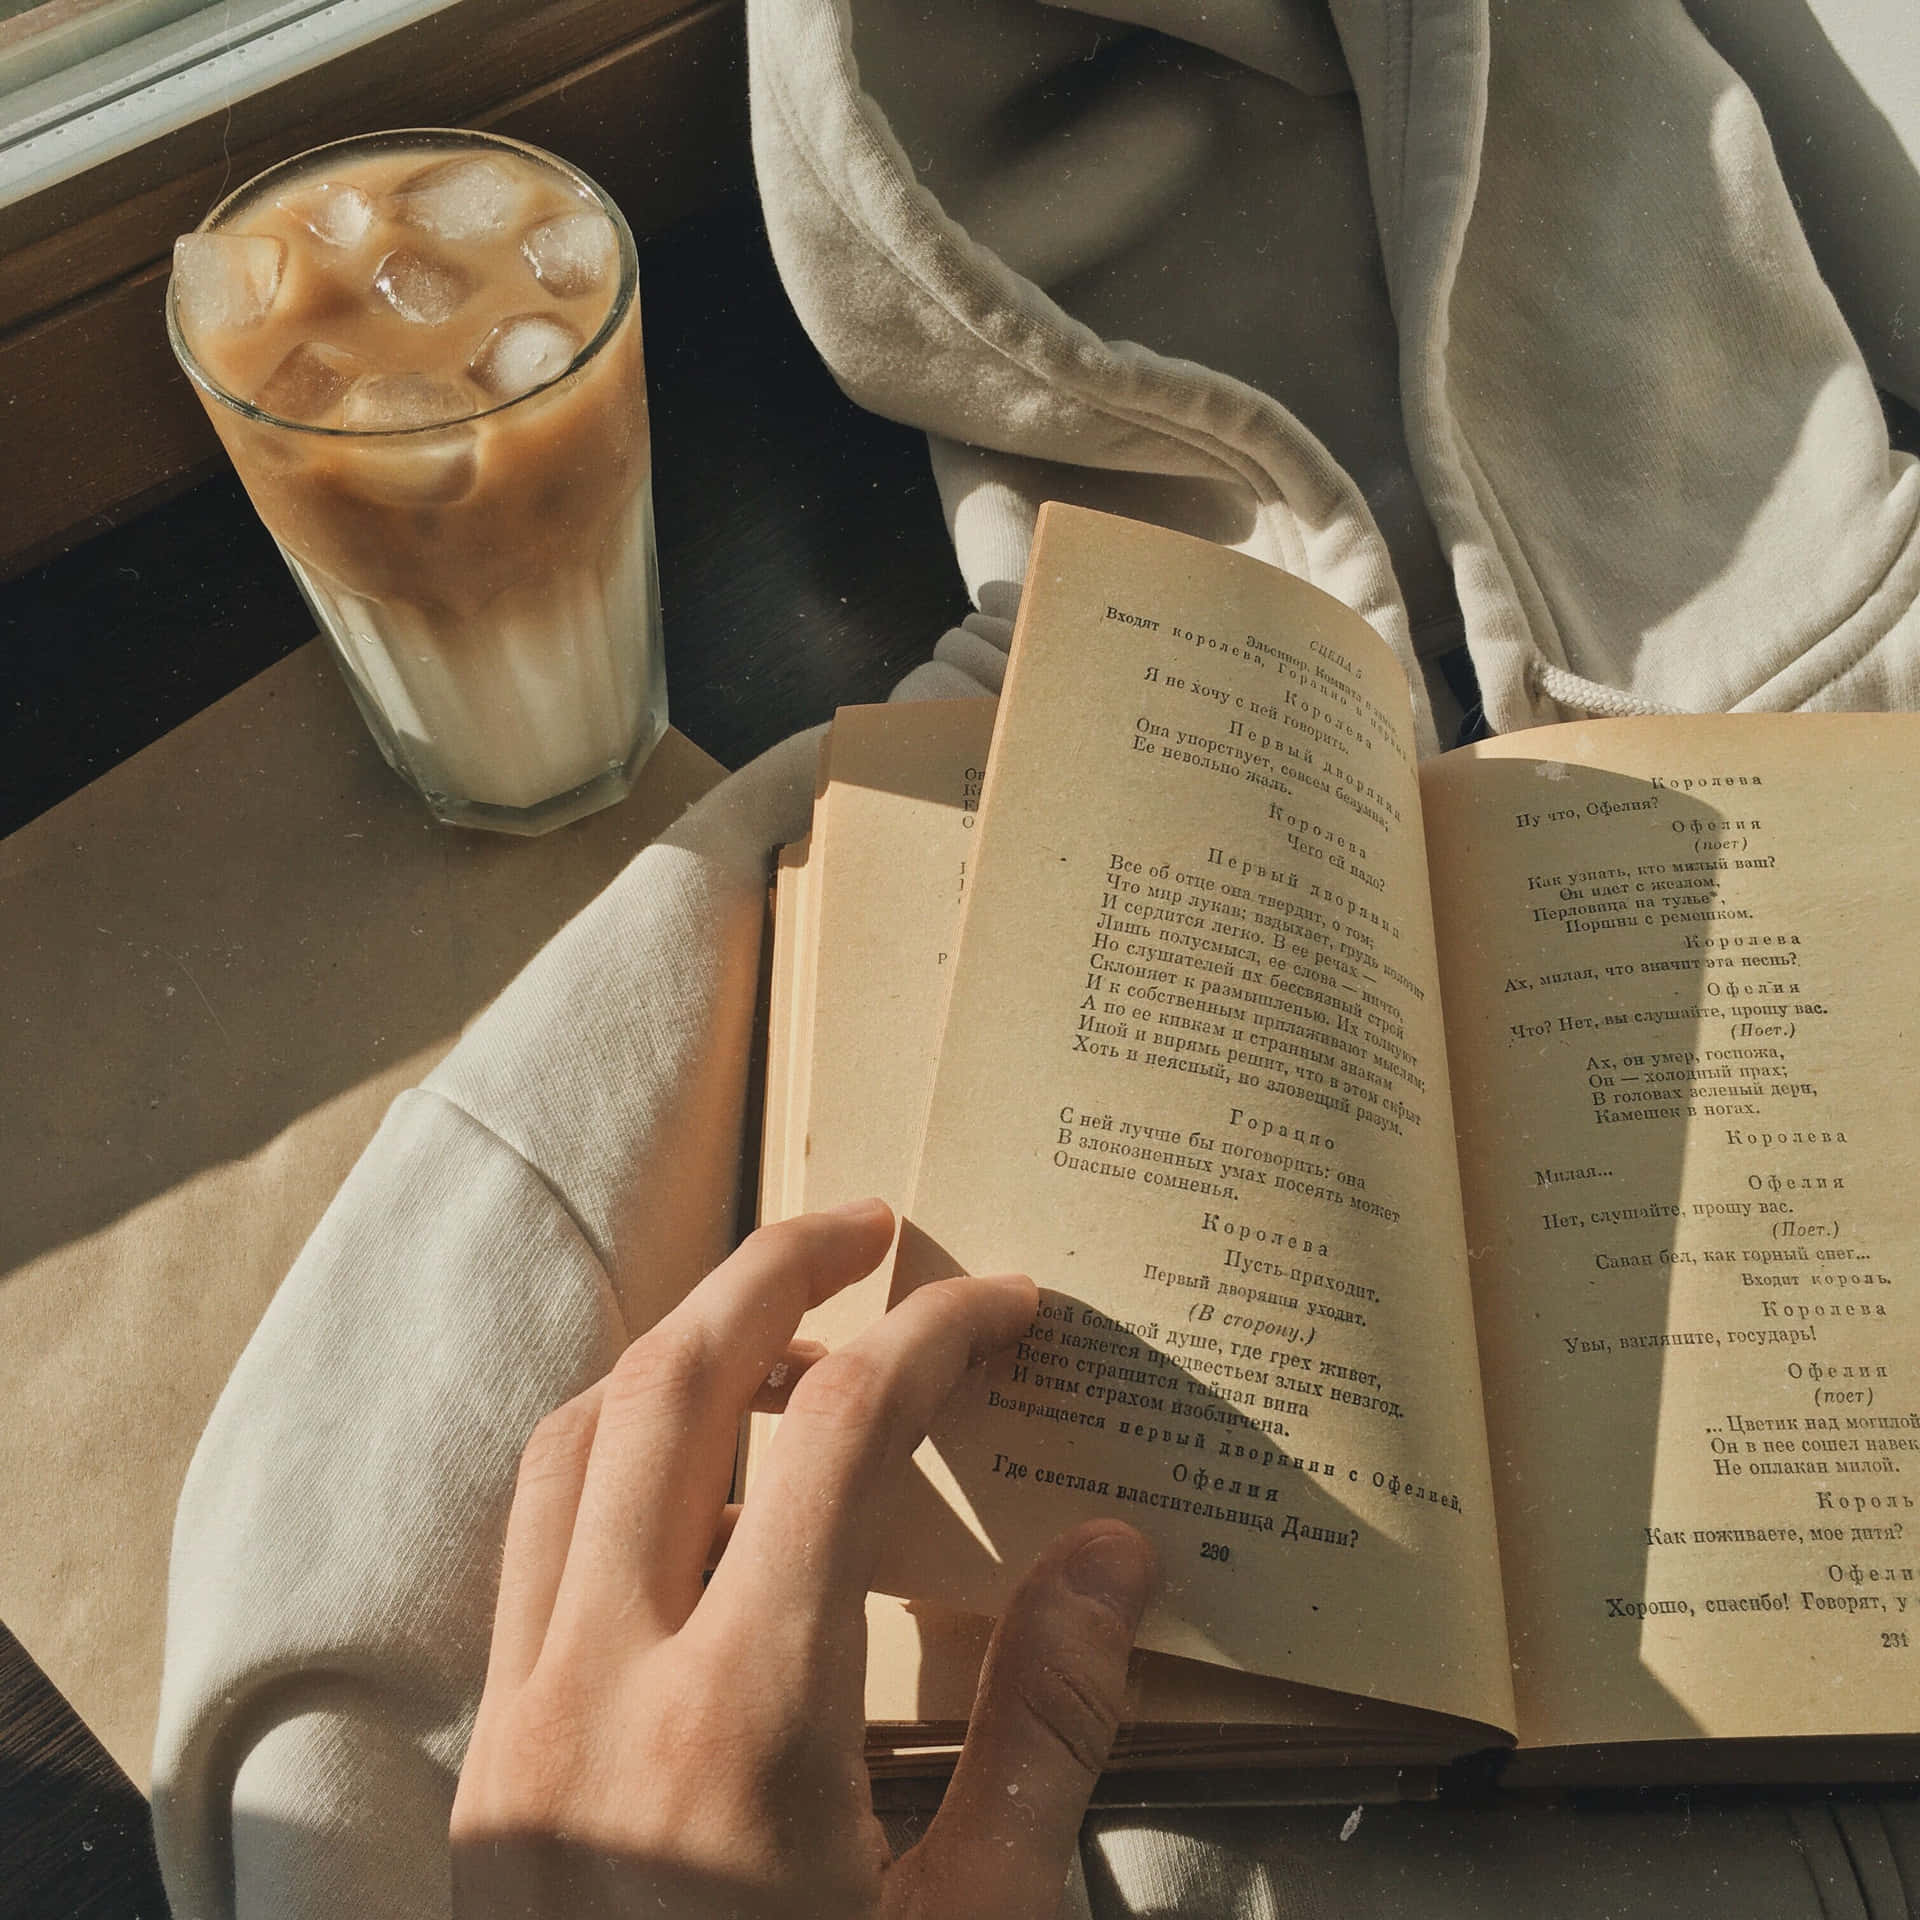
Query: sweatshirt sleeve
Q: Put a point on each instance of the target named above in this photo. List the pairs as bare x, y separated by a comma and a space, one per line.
564, 1176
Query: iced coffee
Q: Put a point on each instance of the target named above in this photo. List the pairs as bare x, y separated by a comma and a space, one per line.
423, 352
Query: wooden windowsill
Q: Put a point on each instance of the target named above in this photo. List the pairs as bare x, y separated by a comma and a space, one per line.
647, 96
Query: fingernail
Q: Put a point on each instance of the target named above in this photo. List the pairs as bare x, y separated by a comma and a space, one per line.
1017, 1286
853, 1209
1116, 1569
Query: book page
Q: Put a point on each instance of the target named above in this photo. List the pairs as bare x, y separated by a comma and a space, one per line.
1679, 966
789, 1021
846, 1092
924, 1666
1192, 1079
885, 869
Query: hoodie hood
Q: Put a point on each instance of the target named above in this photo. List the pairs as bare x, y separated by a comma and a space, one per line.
1496, 323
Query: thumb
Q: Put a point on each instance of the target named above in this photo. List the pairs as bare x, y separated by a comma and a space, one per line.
1043, 1721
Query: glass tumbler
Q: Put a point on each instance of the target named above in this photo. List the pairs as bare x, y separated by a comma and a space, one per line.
422, 351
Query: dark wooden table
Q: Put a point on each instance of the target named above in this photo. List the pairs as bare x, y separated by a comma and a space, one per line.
804, 565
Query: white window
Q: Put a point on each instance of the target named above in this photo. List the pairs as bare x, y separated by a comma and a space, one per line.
85, 81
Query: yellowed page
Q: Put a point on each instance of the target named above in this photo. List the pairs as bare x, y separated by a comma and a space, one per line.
1192, 1079
892, 829
806, 911
924, 1663
884, 877
1680, 959
866, 926
788, 1018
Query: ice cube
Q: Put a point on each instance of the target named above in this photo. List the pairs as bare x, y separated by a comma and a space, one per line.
309, 382
423, 467
341, 216
395, 402
522, 353
415, 470
474, 198
574, 254
225, 279
427, 292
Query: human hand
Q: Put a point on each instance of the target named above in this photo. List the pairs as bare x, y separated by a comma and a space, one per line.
647, 1747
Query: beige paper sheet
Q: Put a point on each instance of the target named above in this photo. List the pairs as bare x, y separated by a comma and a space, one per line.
868, 919
222, 961
890, 849
1192, 1079
1679, 962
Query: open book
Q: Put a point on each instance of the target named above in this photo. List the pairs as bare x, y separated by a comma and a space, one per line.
1474, 1203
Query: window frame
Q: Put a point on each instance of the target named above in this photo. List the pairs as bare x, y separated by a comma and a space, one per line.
86, 112
47, 37
648, 96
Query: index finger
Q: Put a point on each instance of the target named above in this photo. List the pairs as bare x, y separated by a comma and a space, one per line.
663, 1443
804, 1547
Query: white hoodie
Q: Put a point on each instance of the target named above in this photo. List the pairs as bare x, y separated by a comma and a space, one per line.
1512, 310
1499, 327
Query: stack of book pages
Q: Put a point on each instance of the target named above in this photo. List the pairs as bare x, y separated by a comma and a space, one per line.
1472, 1202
